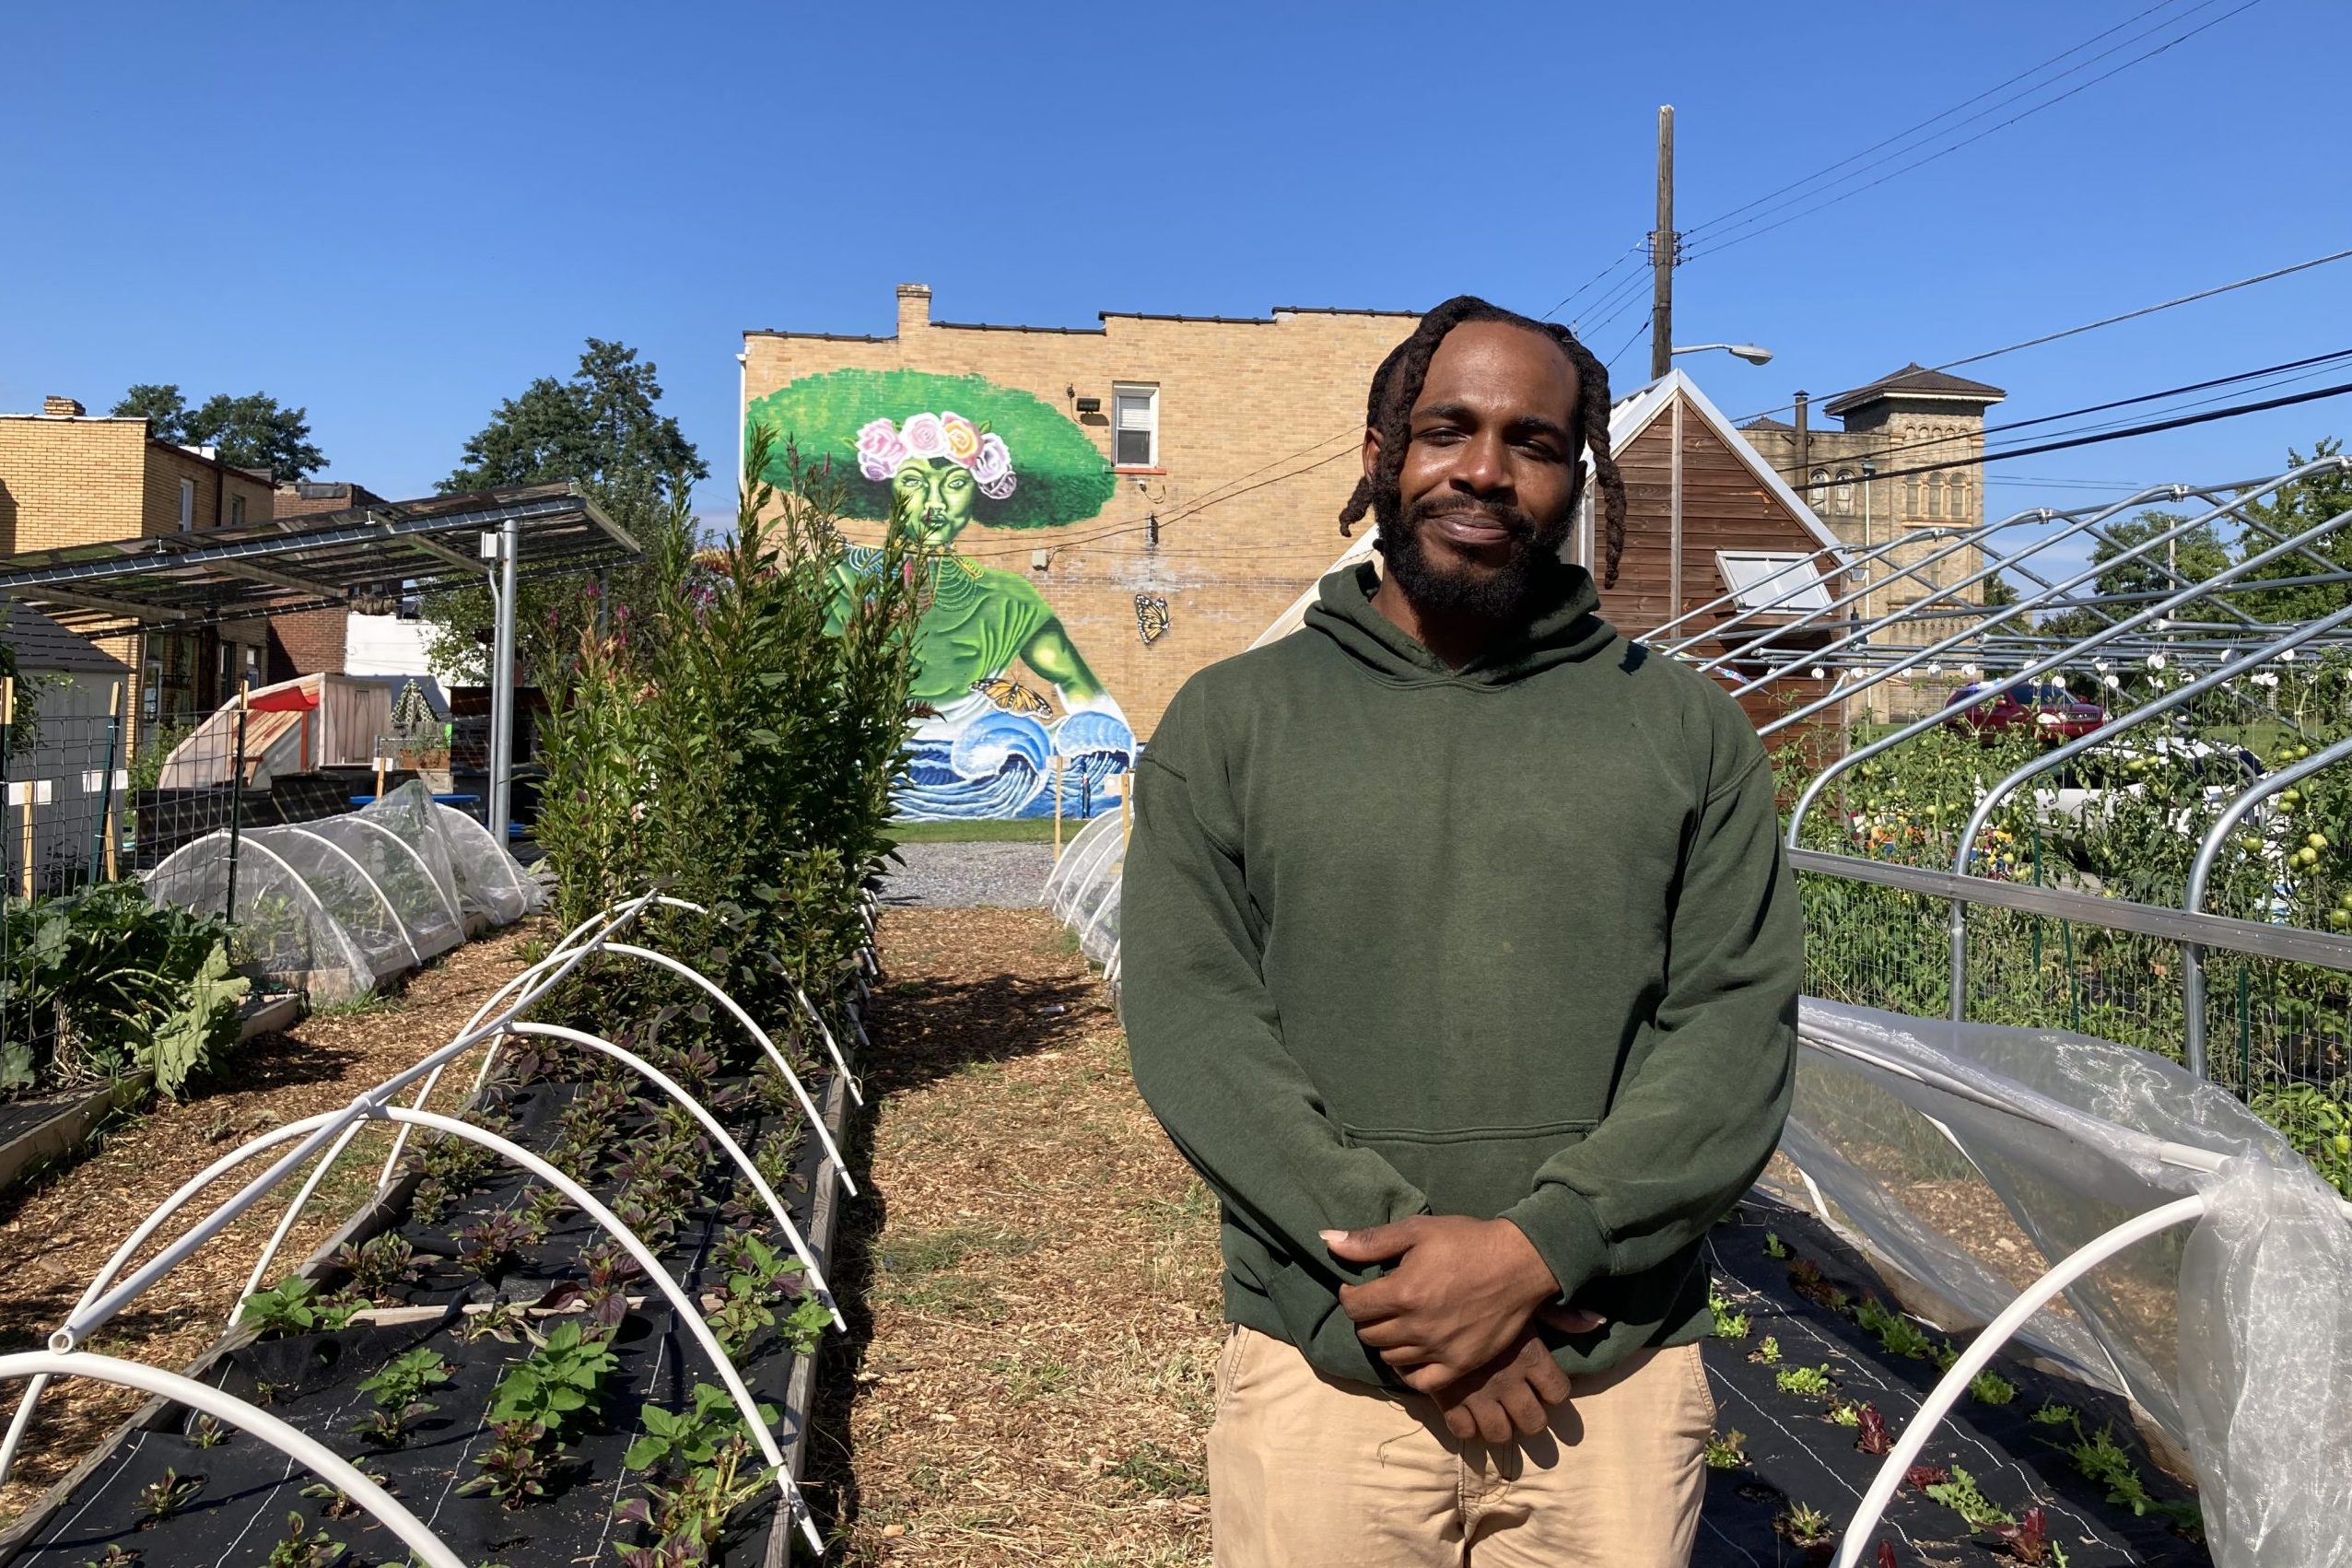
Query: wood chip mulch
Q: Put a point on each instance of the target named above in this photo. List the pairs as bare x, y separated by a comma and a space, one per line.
1028, 1375
56, 1232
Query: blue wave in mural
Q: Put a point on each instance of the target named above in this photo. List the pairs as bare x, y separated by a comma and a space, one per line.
1002, 766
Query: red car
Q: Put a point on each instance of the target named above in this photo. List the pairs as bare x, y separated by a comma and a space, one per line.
2047, 709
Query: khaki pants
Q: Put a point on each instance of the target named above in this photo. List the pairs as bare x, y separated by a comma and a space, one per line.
1309, 1471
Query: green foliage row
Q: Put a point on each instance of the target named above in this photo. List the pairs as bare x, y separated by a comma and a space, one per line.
726, 745
99, 983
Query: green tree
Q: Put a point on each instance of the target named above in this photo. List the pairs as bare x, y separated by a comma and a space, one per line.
2297, 508
603, 430
253, 431
1996, 591
2195, 556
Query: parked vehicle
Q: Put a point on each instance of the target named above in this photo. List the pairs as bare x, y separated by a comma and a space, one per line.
2046, 707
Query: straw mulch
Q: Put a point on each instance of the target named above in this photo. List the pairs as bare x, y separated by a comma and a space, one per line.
56, 1232
1028, 1378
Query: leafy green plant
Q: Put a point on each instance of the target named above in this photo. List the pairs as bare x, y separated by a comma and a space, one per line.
206, 1431
115, 1556
517, 1466
688, 1515
2052, 1413
379, 1266
1843, 1414
1961, 1496
563, 1375
300, 1547
293, 1307
1805, 1525
1730, 1323
1774, 1246
1767, 1351
1991, 1388
687, 1438
399, 1390
1896, 1335
1726, 1450
1812, 1381
165, 1496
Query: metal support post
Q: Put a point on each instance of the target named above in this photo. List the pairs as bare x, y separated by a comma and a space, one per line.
502, 694
237, 797
102, 830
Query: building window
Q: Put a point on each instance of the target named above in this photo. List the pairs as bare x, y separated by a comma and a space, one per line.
236, 510
1911, 496
1820, 486
1846, 489
1135, 427
187, 504
1957, 497
1935, 495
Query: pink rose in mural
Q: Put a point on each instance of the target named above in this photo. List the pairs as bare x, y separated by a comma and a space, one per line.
993, 468
963, 438
880, 451
925, 436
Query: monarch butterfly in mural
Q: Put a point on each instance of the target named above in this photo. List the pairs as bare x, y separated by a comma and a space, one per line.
1151, 617
950, 451
1012, 696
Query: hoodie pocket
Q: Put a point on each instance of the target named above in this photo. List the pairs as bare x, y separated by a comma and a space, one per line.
1478, 1171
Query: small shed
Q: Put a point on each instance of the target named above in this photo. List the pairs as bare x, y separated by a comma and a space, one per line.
299, 726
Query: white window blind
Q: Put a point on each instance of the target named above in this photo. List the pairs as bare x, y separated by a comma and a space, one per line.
1135, 427
1785, 583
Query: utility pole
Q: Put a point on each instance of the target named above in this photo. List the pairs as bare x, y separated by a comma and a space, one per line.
1663, 245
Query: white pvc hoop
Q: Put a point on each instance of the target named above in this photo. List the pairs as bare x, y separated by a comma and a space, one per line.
355, 960
457, 921
506, 859
710, 1124
1948, 1391
330, 1466
416, 958
816, 1121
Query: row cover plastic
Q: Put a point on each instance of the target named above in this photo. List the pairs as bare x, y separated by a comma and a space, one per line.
335, 906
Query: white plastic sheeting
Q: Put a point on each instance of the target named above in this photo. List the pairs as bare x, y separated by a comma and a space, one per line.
333, 906
1972, 1157
1082, 892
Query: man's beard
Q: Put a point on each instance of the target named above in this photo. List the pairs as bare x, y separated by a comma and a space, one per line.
1529, 580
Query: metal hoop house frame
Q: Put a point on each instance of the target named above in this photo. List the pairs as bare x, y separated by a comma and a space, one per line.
326, 1135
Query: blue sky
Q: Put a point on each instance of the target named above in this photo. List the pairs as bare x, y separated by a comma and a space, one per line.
396, 215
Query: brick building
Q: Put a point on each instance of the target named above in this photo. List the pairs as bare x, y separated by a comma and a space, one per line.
1142, 496
69, 478
312, 643
1855, 479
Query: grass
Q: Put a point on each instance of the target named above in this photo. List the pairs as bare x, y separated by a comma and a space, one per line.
1024, 830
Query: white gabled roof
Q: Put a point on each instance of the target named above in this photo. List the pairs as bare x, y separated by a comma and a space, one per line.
1628, 419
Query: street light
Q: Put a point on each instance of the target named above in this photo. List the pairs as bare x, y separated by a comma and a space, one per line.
1748, 351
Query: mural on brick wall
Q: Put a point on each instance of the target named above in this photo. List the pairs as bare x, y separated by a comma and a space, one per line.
1000, 687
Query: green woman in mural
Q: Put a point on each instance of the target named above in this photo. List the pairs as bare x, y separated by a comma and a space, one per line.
944, 449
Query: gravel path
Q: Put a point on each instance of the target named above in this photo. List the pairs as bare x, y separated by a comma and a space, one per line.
969, 876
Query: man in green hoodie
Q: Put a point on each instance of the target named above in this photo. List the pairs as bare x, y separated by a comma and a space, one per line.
1460, 959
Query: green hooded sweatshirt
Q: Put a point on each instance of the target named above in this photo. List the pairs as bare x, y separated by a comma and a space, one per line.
1510, 940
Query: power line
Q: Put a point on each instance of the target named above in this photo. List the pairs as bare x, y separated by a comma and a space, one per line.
2150, 429
1931, 120
2106, 320
1604, 272
1945, 152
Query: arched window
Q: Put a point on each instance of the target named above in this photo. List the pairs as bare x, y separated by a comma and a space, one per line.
1846, 489
1935, 495
1957, 499
1911, 496
1821, 485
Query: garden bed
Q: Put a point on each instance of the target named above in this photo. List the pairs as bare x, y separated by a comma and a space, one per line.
469, 1267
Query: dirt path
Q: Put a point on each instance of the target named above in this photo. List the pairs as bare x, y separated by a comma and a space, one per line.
56, 1233
1029, 1377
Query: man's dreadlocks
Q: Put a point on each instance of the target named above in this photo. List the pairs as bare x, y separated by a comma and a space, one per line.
1395, 387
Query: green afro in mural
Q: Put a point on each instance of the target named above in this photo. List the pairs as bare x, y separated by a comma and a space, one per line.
990, 454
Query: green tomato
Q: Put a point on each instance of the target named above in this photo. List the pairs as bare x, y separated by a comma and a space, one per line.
2317, 841
2339, 918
